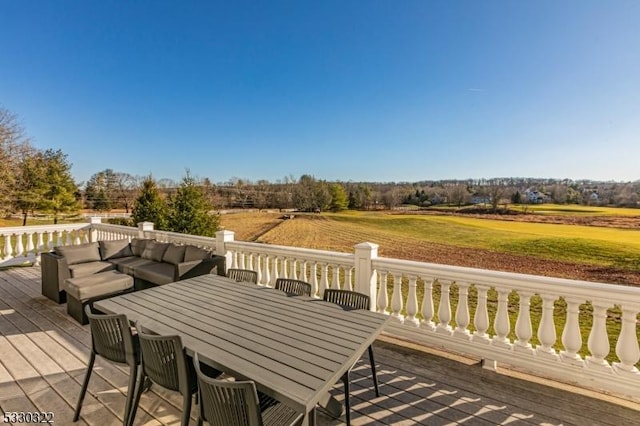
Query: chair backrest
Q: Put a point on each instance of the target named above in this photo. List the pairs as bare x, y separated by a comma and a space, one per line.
245, 275
164, 360
226, 403
111, 337
293, 287
347, 299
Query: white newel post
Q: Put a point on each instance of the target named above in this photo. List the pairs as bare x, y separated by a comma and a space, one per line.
144, 227
223, 237
93, 233
366, 277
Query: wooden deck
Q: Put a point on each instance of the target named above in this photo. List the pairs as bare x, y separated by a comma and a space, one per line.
43, 355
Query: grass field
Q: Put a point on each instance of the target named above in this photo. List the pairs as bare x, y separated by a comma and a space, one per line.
576, 210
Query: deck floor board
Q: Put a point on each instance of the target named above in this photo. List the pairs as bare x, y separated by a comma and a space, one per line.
43, 356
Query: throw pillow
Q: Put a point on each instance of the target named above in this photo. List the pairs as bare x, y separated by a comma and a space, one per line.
195, 253
174, 254
138, 245
114, 249
79, 254
154, 250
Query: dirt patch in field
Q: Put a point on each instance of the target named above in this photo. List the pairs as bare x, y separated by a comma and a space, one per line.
624, 222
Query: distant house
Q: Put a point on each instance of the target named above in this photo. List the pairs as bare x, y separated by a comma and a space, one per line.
480, 199
533, 196
594, 196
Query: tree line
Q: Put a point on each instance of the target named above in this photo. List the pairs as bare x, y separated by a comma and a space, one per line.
33, 180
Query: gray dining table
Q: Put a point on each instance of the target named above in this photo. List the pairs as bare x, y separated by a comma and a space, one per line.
294, 348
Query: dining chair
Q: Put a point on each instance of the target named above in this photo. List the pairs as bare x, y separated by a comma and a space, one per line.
111, 339
293, 287
164, 361
352, 300
236, 403
244, 275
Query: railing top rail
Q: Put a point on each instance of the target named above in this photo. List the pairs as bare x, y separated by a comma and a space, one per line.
108, 227
615, 293
43, 228
321, 255
178, 235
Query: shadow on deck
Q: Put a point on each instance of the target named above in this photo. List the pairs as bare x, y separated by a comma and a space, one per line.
43, 356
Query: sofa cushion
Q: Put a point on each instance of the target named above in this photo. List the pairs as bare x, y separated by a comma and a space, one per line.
128, 265
174, 254
138, 245
154, 250
195, 253
79, 254
89, 268
114, 249
84, 288
157, 273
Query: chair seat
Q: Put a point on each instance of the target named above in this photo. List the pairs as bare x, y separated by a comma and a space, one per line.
280, 414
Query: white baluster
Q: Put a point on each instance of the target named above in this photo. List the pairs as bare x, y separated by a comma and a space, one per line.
598, 342
383, 297
266, 275
547, 329
412, 302
293, 270
40, 244
241, 262
303, 270
59, 239
396, 298
524, 331
336, 277
571, 336
8, 249
349, 278
627, 344
462, 312
313, 277
324, 278
19, 246
76, 239
444, 310
481, 317
501, 324
30, 246
277, 264
250, 261
427, 306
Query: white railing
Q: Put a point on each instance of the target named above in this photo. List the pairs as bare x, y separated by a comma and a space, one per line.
418, 315
23, 244
322, 269
530, 322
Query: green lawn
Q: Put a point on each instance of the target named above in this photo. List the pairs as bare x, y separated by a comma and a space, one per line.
571, 243
576, 210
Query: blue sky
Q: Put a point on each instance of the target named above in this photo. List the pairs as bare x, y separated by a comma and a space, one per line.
342, 90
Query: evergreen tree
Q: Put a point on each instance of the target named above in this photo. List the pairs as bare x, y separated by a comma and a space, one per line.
189, 210
339, 198
30, 184
59, 194
150, 206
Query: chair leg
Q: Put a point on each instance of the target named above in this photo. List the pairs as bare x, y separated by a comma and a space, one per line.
373, 370
139, 388
133, 375
186, 409
85, 384
347, 404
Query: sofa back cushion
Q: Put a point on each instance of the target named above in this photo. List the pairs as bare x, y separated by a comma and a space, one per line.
138, 245
79, 254
174, 254
154, 250
115, 249
195, 253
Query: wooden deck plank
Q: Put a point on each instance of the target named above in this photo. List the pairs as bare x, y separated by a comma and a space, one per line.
43, 355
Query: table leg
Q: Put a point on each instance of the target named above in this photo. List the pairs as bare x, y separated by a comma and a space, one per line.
332, 405
310, 418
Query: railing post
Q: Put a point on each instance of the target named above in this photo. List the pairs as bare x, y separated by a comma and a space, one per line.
366, 276
223, 237
93, 233
144, 227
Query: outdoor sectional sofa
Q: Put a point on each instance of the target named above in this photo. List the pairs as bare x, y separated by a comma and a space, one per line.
150, 263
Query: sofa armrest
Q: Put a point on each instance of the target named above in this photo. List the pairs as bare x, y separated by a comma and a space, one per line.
54, 271
196, 268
